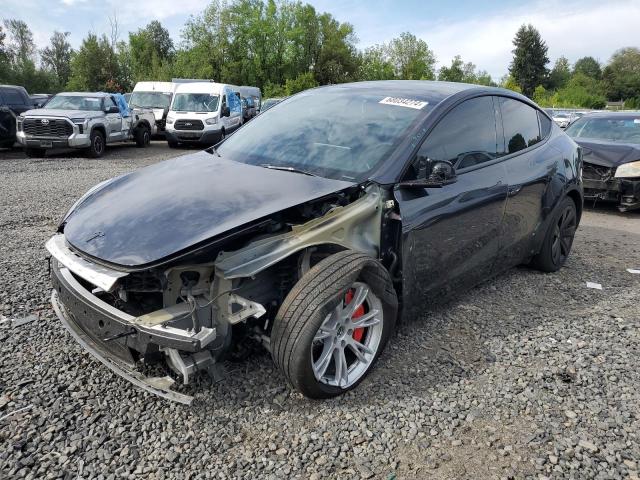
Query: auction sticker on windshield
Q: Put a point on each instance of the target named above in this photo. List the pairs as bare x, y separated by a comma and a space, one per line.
404, 102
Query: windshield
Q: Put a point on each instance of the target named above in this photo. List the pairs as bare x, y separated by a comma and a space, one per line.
150, 99
625, 130
195, 102
335, 133
75, 102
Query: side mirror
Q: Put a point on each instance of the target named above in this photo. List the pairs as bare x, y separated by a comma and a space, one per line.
431, 174
226, 112
112, 109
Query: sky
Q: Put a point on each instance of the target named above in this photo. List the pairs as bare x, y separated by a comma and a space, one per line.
481, 32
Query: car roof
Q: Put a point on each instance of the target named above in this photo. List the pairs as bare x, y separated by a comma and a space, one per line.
430, 91
201, 87
614, 115
85, 94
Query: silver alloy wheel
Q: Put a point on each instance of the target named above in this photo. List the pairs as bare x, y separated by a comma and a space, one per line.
337, 357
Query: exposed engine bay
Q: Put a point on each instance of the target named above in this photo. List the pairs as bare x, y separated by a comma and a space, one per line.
187, 310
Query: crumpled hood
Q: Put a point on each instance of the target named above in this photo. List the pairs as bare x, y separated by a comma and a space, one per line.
172, 206
46, 112
608, 154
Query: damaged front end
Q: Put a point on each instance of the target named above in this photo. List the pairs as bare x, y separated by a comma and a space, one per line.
187, 312
602, 184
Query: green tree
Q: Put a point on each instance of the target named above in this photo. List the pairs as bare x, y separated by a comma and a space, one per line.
94, 66
581, 91
622, 74
588, 66
411, 57
302, 82
337, 60
560, 73
375, 64
508, 82
150, 52
529, 65
57, 58
464, 72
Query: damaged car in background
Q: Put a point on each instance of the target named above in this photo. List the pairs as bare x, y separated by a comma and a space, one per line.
312, 230
610, 145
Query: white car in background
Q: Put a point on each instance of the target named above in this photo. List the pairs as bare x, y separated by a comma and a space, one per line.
562, 119
203, 113
156, 96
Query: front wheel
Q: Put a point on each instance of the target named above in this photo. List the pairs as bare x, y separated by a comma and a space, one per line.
334, 324
143, 137
96, 149
557, 244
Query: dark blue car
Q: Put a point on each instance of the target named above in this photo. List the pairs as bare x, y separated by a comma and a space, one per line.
314, 229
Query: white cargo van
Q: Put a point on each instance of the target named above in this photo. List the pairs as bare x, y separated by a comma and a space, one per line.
156, 96
202, 113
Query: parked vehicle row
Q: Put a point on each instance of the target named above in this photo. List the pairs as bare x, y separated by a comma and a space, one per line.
88, 121
313, 229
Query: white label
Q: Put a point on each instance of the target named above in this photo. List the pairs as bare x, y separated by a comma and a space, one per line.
636, 120
404, 102
597, 286
633, 270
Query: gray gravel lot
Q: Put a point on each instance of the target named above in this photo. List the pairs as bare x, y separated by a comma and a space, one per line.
527, 376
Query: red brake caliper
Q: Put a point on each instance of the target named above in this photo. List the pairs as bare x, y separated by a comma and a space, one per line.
357, 332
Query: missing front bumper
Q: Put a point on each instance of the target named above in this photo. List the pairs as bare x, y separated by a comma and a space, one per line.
156, 385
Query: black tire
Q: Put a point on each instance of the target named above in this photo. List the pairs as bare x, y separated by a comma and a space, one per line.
143, 137
35, 152
557, 243
307, 305
172, 144
96, 150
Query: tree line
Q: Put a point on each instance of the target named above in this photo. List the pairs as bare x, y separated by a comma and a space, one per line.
288, 46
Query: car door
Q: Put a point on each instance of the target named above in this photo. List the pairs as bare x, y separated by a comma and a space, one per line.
114, 121
532, 167
450, 234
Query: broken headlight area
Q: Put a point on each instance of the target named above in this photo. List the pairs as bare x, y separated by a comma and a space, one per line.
183, 316
601, 183
186, 312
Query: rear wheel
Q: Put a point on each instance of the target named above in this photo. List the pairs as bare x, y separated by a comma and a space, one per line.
96, 150
557, 243
334, 323
143, 137
35, 152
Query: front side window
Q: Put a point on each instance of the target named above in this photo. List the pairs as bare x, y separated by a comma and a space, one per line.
466, 136
75, 102
195, 102
520, 123
335, 133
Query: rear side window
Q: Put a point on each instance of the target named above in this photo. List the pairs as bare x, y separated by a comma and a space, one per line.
545, 125
466, 136
520, 122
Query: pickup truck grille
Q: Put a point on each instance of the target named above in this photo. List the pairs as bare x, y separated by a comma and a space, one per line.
189, 125
52, 127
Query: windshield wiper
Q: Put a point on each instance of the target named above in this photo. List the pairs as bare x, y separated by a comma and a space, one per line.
288, 169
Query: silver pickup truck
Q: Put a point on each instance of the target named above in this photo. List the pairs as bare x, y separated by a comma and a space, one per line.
89, 121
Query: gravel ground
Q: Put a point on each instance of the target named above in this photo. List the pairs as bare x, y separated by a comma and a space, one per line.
527, 376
